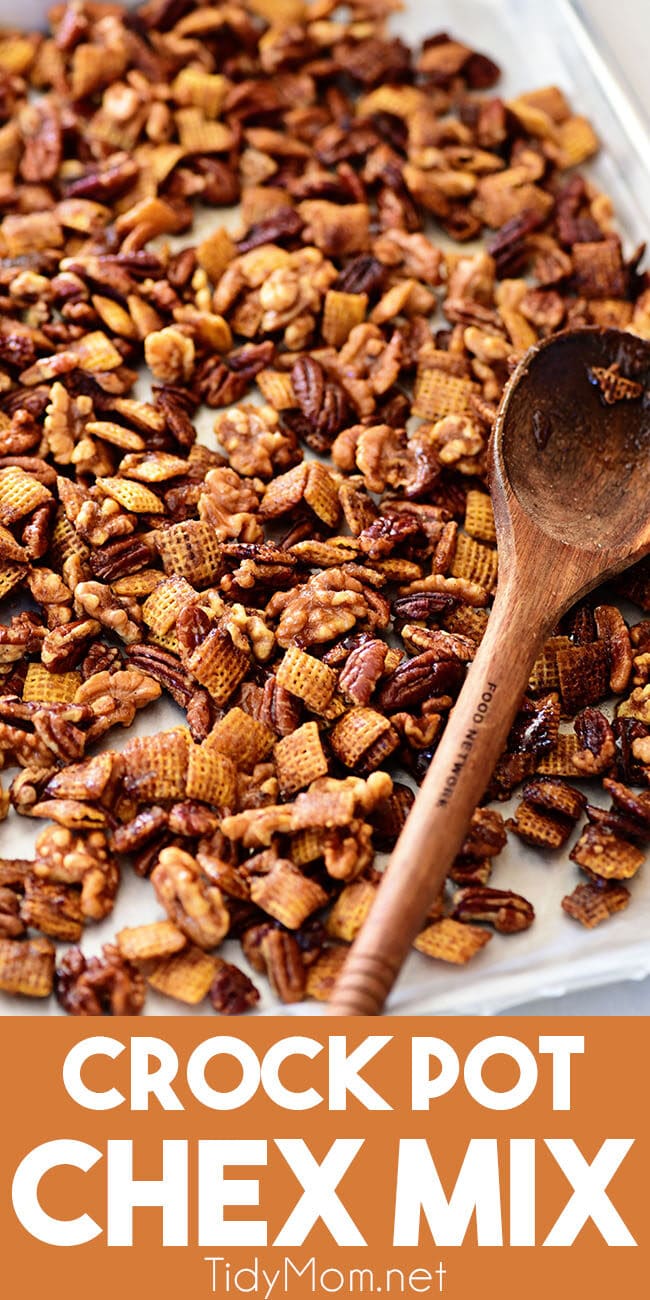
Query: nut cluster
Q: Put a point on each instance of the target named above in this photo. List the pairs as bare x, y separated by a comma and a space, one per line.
310, 588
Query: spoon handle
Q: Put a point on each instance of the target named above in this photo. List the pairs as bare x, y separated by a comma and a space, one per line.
457, 778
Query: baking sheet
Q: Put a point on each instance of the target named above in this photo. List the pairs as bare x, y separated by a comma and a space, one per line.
535, 45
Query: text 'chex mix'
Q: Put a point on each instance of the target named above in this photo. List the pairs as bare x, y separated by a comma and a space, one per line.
310, 587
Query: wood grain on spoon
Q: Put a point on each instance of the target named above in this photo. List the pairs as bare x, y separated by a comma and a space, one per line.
570, 482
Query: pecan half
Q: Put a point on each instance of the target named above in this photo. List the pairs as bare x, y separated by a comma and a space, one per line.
97, 986
506, 911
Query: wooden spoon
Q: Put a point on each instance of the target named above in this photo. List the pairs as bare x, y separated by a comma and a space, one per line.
570, 482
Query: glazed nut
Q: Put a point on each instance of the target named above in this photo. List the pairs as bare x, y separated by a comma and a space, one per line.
231, 991
95, 986
65, 857
169, 353
506, 911
363, 668
283, 963
192, 904
597, 747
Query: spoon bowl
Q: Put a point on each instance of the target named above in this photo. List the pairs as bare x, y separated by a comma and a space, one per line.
570, 482
578, 466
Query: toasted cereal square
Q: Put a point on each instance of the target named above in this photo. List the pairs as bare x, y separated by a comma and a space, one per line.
324, 555
215, 252
27, 967
242, 737
323, 809
162, 608
203, 90
533, 118
286, 894
20, 495
131, 495
341, 312
583, 675
539, 829
334, 709
550, 99
185, 976
467, 621
219, 665
603, 853
592, 903
321, 493
211, 777
354, 737
614, 387
65, 541
350, 910
556, 797
277, 389
599, 269
107, 430
544, 674
479, 516
380, 750
452, 941
41, 685
578, 141
307, 677
474, 562
322, 976
503, 196
156, 766
284, 492
299, 758
10, 578
145, 942
438, 393
306, 846
190, 550
199, 135
611, 313
167, 641
154, 467
559, 760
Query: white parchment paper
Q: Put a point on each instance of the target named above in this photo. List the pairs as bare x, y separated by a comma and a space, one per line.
535, 44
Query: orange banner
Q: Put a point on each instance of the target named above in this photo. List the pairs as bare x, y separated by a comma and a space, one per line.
302, 1157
